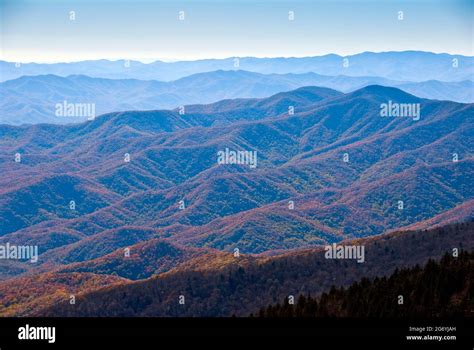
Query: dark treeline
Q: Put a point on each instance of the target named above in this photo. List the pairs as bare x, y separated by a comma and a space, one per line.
439, 289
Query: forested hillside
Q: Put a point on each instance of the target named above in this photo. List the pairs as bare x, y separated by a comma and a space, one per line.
439, 289
223, 285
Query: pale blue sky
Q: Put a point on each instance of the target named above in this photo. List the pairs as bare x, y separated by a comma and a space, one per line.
41, 30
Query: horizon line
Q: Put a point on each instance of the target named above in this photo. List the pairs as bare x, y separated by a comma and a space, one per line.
196, 59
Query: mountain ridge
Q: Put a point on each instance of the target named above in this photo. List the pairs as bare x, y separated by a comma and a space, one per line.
33, 99
407, 63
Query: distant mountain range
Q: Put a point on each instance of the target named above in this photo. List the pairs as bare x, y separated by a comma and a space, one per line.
412, 66
33, 99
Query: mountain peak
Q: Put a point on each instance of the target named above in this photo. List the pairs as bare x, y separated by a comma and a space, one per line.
385, 93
